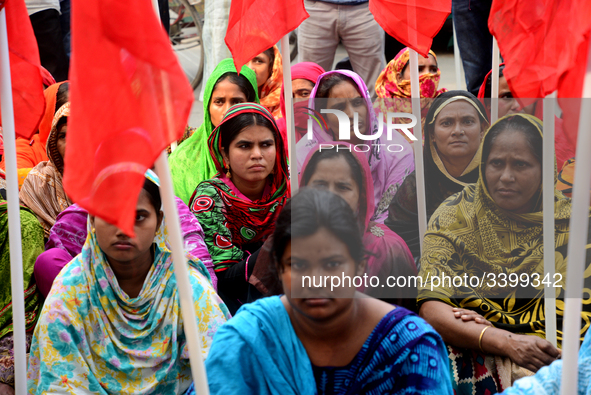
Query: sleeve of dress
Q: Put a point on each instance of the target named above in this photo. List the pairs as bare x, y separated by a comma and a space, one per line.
207, 206
425, 369
195, 238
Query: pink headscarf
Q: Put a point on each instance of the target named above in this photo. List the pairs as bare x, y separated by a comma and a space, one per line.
308, 71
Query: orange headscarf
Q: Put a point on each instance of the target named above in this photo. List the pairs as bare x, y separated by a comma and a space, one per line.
271, 91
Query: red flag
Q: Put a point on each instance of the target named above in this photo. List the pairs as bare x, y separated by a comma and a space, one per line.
130, 99
412, 22
257, 25
25, 69
539, 41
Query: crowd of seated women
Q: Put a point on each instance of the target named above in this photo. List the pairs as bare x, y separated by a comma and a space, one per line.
102, 308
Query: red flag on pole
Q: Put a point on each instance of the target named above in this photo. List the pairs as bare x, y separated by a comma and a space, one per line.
256, 25
412, 22
25, 69
544, 45
130, 99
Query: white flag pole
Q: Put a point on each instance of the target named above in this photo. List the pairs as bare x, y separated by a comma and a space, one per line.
548, 193
579, 223
181, 272
179, 261
457, 59
418, 144
494, 96
14, 222
289, 119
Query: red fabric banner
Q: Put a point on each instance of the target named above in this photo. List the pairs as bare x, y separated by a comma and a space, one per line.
130, 100
25, 69
412, 22
257, 25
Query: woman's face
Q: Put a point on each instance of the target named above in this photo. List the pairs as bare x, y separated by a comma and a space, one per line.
251, 155
122, 248
262, 67
315, 256
224, 96
346, 98
335, 175
426, 66
513, 174
301, 89
457, 131
61, 140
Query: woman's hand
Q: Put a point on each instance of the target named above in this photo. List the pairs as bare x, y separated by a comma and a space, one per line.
469, 315
5, 389
531, 352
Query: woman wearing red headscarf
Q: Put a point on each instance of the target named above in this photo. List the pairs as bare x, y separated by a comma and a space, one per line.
303, 80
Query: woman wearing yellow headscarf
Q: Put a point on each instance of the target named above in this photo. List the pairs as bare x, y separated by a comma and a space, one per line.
488, 241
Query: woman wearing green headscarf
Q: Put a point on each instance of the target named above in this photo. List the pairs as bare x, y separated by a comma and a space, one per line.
191, 162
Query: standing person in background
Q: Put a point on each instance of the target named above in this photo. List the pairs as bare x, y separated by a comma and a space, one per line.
45, 18
474, 39
349, 22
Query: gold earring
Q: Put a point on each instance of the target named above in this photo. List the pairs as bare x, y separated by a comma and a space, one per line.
92, 230
228, 174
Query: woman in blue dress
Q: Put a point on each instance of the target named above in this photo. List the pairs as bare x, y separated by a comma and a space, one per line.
324, 339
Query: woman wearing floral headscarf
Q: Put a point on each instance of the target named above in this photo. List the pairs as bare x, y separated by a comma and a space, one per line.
393, 84
268, 67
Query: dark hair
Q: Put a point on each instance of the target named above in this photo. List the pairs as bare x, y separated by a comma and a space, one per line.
356, 170
62, 121
516, 123
270, 52
488, 83
310, 210
233, 126
406, 64
153, 194
330, 81
62, 96
241, 81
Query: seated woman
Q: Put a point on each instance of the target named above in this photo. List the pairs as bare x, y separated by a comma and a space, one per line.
303, 81
42, 190
393, 84
268, 67
32, 242
31, 152
237, 209
493, 230
68, 235
509, 105
390, 161
191, 162
454, 128
321, 340
112, 321
345, 172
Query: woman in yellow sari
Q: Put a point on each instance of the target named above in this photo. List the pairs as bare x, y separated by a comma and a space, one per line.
488, 241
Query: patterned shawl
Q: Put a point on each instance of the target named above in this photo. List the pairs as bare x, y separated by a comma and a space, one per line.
93, 338
439, 184
229, 219
470, 235
271, 89
32, 240
191, 162
388, 87
42, 190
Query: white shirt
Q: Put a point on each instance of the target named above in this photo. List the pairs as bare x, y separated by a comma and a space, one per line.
34, 6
